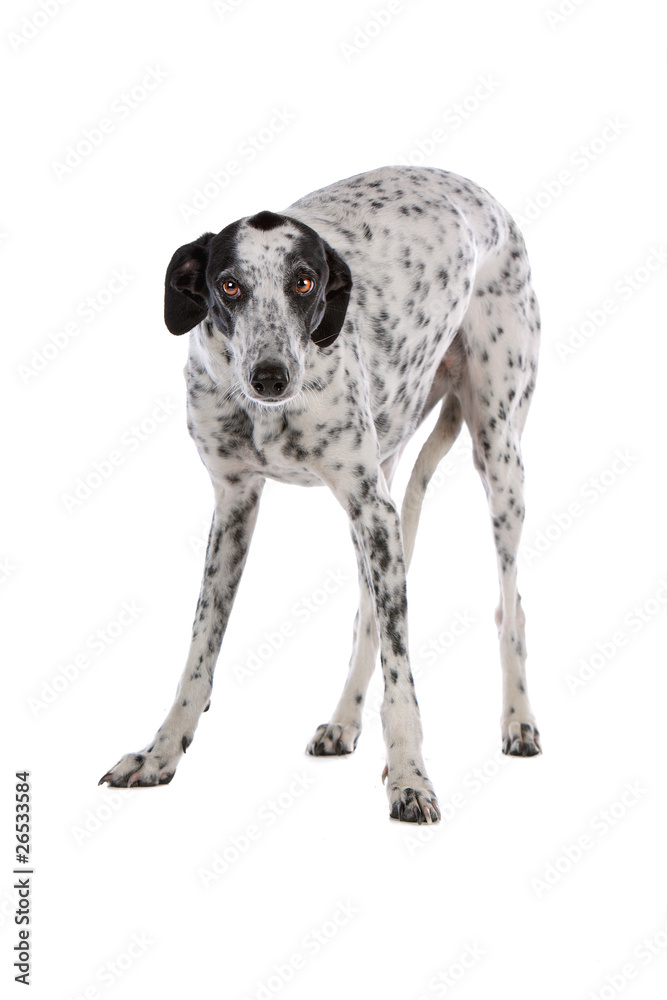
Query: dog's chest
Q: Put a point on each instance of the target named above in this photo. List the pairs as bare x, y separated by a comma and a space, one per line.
284, 447
332, 432
231, 443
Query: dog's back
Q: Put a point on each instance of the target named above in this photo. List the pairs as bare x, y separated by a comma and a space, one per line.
431, 254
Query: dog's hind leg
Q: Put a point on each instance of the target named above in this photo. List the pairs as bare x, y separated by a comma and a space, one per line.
439, 442
501, 331
340, 735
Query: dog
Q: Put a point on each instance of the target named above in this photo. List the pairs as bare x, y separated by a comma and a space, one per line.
320, 339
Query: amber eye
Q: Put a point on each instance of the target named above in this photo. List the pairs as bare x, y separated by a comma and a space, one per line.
231, 289
303, 285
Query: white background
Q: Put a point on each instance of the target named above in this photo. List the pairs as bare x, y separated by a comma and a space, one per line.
536, 94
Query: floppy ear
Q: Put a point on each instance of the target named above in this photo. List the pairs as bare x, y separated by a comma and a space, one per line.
337, 296
185, 302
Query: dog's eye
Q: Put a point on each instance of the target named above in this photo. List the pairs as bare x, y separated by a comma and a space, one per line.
231, 289
303, 285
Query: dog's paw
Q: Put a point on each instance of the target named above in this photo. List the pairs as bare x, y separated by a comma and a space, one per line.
153, 766
416, 803
333, 740
522, 739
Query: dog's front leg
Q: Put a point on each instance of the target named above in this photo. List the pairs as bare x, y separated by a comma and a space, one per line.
376, 525
233, 522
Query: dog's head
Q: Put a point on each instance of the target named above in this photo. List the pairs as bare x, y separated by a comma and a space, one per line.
271, 288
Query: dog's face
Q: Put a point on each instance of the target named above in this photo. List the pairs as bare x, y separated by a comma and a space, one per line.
273, 290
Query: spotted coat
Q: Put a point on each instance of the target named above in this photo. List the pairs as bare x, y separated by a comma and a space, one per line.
320, 338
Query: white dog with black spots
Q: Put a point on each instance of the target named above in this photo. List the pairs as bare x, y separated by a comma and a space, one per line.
320, 339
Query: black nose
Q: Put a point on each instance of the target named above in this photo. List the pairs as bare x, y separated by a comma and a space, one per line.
270, 379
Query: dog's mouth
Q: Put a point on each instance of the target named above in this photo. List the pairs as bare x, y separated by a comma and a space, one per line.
272, 401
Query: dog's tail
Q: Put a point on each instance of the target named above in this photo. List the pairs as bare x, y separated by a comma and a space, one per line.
440, 440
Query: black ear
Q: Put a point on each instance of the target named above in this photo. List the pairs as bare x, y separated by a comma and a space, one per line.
185, 302
337, 296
